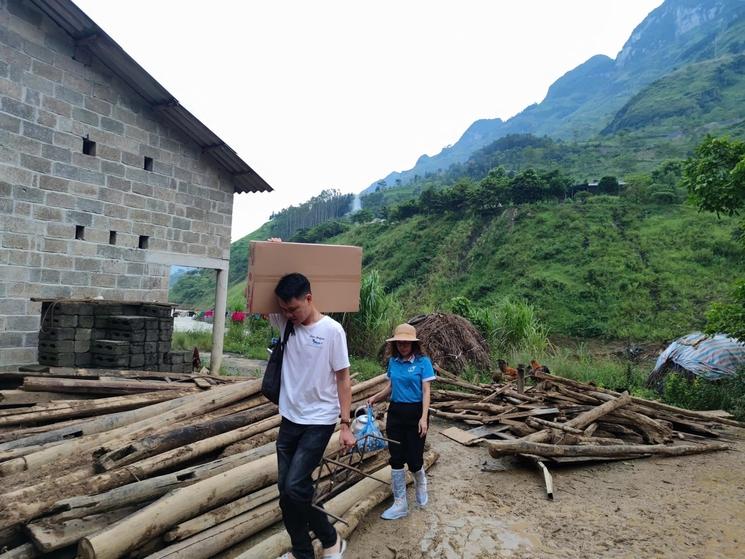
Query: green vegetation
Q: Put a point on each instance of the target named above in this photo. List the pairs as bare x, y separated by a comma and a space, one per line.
507, 326
715, 179
698, 394
613, 373
249, 339
379, 313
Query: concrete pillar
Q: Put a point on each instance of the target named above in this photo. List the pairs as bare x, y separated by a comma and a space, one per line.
218, 323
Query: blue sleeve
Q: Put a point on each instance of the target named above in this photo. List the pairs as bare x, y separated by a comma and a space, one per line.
428, 373
388, 369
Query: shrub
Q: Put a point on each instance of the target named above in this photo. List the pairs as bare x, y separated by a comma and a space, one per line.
509, 326
250, 338
699, 394
516, 327
379, 313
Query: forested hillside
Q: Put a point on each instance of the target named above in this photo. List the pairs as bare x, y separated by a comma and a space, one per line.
592, 228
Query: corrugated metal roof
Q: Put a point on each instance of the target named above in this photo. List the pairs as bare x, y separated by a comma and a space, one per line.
86, 33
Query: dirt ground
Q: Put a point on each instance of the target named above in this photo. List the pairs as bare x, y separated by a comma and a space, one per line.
687, 507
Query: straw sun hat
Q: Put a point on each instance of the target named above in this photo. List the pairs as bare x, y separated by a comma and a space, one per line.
404, 333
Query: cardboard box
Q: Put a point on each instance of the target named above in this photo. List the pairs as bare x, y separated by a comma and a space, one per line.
334, 272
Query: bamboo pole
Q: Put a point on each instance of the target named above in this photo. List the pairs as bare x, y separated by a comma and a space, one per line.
25, 551
443, 394
16, 397
450, 378
100, 386
34, 500
154, 487
521, 446
180, 505
110, 421
70, 409
180, 436
364, 495
48, 535
221, 514
224, 535
193, 404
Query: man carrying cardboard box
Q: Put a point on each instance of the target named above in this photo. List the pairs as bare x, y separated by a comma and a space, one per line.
316, 389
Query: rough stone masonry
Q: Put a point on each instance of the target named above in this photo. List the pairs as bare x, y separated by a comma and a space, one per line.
92, 184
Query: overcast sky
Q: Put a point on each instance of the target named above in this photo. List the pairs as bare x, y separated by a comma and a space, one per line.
337, 94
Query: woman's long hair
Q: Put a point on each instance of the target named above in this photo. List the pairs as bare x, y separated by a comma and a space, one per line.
391, 350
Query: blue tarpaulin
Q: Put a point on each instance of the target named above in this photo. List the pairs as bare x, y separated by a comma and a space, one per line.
709, 357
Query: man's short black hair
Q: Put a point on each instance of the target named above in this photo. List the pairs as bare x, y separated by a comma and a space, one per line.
292, 286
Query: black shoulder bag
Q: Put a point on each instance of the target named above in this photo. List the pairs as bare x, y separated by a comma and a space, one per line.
272, 381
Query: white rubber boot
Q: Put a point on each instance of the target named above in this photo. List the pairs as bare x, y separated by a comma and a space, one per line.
400, 507
420, 483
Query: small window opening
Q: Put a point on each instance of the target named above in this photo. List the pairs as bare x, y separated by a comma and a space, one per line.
80, 232
89, 147
112, 237
148, 163
143, 241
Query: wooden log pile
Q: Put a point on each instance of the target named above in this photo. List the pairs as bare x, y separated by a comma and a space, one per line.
107, 464
559, 418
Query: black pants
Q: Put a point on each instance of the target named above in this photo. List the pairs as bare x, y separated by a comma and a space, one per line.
299, 451
403, 426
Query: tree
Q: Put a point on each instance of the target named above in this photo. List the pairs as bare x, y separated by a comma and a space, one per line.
362, 216
557, 184
637, 188
527, 186
405, 210
492, 191
715, 176
608, 185
460, 196
715, 179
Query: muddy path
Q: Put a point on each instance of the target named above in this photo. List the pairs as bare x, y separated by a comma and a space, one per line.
688, 507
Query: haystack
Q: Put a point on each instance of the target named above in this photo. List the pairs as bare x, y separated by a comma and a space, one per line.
452, 342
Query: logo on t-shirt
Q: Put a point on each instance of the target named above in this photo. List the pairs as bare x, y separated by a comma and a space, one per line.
316, 341
412, 369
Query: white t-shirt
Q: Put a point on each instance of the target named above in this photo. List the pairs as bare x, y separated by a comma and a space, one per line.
312, 357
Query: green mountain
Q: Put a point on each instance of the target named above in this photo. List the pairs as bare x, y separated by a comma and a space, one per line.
607, 268
585, 100
638, 265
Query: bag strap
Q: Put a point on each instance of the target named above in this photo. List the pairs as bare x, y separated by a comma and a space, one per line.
289, 329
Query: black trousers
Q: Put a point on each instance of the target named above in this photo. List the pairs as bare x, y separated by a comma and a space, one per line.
403, 426
299, 451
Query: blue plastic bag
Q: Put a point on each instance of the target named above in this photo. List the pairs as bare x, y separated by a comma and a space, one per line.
367, 434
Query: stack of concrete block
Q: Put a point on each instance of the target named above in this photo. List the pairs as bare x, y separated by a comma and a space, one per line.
65, 335
110, 335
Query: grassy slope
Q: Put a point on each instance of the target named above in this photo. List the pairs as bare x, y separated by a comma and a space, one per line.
606, 268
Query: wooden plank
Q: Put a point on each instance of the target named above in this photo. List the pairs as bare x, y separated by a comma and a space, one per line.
459, 435
487, 430
528, 413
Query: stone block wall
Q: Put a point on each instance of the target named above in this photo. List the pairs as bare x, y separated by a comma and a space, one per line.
109, 335
77, 220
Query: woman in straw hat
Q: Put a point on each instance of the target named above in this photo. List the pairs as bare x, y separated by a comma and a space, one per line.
410, 373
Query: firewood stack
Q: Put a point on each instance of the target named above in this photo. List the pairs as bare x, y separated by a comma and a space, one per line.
135, 464
561, 418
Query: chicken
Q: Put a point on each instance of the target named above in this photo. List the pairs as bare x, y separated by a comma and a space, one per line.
507, 371
536, 366
196, 362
